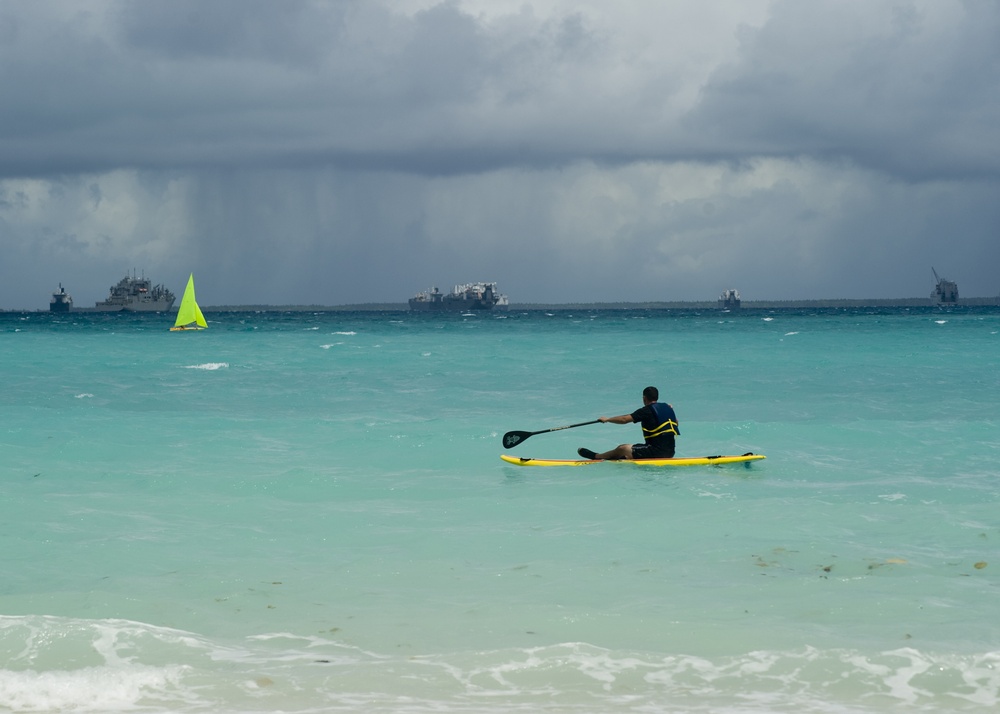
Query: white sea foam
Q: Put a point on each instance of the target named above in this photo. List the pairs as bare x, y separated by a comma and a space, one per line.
210, 366
128, 665
84, 395
584, 678
64, 664
91, 689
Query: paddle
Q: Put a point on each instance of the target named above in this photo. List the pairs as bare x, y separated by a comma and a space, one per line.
513, 438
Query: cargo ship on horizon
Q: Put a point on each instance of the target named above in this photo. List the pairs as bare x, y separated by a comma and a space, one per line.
469, 296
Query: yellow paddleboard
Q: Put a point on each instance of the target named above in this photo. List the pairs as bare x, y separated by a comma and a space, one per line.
690, 461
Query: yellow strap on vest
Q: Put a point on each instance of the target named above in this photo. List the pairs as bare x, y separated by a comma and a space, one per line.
667, 427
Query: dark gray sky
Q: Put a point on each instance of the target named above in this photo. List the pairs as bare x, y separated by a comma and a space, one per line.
353, 151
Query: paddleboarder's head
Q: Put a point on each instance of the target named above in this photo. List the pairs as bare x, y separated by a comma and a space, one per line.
650, 395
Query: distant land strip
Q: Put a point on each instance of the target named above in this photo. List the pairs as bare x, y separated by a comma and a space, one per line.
747, 305
673, 305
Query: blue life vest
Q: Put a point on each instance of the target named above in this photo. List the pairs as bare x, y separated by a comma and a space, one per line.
664, 428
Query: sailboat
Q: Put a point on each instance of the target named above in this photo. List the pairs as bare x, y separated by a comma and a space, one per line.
189, 315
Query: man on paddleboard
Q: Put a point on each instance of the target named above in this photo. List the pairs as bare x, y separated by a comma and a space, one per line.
659, 427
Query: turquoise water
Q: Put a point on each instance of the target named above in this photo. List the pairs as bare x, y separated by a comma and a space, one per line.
307, 513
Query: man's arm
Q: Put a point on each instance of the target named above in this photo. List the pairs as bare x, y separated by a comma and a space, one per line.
623, 419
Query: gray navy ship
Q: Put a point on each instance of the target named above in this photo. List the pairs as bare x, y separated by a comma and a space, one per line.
467, 297
130, 294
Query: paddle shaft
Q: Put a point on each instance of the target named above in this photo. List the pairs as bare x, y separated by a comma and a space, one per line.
513, 438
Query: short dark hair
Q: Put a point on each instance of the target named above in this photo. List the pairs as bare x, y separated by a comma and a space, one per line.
651, 393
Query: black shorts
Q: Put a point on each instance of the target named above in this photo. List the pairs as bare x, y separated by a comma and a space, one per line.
645, 451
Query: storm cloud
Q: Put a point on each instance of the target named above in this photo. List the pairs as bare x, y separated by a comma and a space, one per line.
307, 152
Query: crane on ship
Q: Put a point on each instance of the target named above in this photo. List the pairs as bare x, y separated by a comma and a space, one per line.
946, 291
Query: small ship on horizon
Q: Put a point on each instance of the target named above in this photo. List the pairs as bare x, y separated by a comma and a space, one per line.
61, 300
730, 300
470, 296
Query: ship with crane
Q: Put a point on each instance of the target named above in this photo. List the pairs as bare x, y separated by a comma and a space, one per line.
945, 292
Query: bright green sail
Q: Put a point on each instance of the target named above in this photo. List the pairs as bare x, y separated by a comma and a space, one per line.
189, 315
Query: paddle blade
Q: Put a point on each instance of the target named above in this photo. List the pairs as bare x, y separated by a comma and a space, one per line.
513, 438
